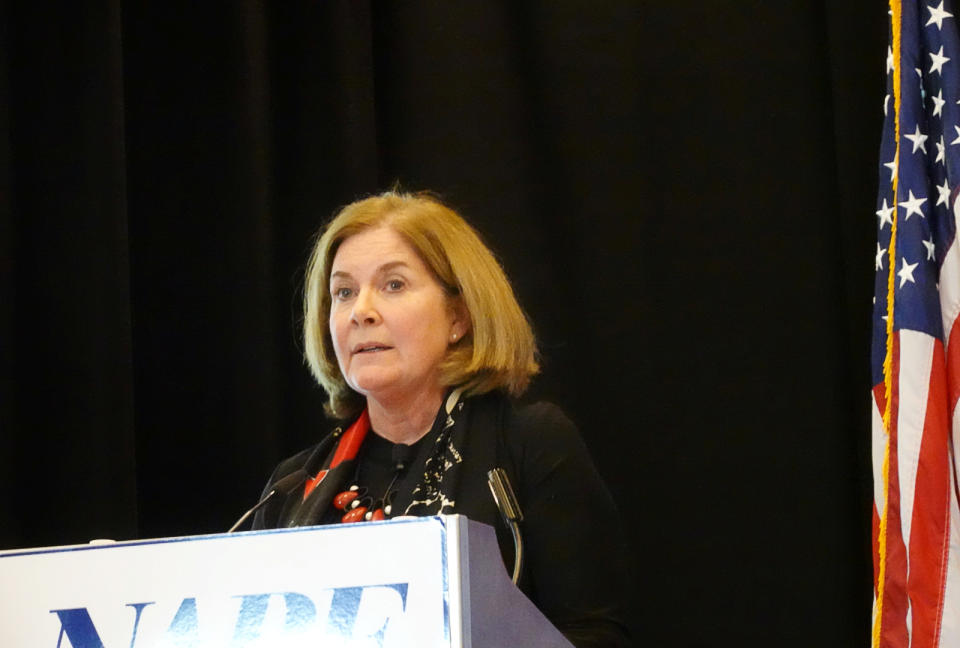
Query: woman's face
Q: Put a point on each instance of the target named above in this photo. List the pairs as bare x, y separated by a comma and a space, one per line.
390, 320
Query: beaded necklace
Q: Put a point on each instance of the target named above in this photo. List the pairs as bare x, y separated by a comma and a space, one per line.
358, 502
323, 499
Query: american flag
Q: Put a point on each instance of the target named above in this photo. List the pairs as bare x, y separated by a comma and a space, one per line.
916, 353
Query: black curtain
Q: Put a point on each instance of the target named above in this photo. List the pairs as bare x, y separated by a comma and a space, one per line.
682, 194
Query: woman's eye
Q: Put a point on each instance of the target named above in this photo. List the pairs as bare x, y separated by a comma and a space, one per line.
342, 293
394, 285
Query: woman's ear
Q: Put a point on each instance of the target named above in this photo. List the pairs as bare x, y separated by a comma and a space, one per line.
460, 323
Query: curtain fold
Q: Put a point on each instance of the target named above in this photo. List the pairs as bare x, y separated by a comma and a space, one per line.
72, 465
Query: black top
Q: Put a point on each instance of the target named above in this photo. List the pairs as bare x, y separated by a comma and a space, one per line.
575, 554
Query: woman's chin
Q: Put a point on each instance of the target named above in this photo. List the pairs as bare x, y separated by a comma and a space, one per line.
386, 389
372, 384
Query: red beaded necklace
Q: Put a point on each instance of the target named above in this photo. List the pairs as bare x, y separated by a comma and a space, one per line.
356, 502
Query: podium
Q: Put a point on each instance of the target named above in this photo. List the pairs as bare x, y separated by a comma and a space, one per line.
417, 582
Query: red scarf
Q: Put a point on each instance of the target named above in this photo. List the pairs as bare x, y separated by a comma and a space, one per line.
347, 449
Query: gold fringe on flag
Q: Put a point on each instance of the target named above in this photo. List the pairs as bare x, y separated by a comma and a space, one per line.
895, 29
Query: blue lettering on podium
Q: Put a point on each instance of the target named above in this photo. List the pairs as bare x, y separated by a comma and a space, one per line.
77, 625
253, 609
184, 630
300, 611
138, 607
345, 607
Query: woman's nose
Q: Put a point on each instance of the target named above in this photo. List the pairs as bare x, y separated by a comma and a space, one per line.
364, 308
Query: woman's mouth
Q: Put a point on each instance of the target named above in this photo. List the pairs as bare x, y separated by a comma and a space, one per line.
370, 347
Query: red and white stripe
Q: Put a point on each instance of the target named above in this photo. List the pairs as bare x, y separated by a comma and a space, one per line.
921, 588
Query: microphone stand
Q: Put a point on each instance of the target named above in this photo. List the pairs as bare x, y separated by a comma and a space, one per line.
509, 508
283, 486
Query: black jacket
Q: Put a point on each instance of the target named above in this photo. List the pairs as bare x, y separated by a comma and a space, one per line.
575, 555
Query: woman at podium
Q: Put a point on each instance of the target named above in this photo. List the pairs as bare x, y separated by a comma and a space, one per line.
412, 329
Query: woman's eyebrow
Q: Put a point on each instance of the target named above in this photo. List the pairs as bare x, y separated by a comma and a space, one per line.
383, 269
386, 267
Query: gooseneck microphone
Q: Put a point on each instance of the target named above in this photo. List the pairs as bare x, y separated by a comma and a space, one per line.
509, 507
286, 485
283, 486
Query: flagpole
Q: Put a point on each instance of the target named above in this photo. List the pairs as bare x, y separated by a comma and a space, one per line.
895, 30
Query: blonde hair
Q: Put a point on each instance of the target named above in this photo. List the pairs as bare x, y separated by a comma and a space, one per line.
498, 351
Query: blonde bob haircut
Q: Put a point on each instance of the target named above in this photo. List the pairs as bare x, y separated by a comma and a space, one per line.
497, 352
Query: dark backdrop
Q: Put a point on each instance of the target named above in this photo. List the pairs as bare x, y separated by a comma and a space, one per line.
681, 192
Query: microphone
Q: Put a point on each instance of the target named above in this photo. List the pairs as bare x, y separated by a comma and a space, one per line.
401, 455
506, 501
283, 486
315, 461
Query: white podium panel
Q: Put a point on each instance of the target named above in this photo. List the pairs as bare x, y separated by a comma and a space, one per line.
412, 582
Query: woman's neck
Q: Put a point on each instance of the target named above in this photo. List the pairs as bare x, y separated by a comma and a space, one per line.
404, 421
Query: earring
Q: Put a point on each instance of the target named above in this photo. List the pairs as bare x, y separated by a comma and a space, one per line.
453, 337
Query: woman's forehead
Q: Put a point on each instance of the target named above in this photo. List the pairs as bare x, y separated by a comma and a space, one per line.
378, 249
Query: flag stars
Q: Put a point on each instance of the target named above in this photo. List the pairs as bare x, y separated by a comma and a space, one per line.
886, 214
906, 272
880, 254
913, 206
889, 60
941, 150
919, 139
944, 191
893, 165
937, 60
930, 248
956, 141
938, 102
937, 15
